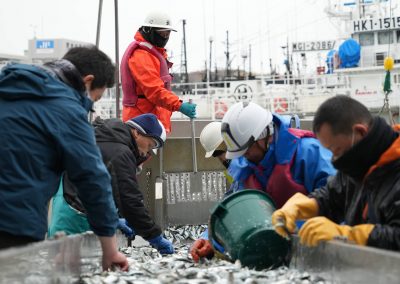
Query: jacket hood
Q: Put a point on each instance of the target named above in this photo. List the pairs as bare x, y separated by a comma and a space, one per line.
22, 81
114, 130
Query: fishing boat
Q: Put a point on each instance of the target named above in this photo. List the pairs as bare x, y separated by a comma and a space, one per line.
371, 24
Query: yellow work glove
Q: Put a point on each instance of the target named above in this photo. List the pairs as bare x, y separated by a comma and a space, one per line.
298, 206
320, 229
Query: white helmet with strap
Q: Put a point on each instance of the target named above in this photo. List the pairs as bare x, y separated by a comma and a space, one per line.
157, 19
211, 138
242, 125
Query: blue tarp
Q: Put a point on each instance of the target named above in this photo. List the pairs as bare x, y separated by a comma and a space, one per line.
349, 53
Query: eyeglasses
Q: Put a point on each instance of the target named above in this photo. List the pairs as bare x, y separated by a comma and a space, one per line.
231, 142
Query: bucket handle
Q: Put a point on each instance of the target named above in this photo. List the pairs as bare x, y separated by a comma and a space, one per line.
219, 210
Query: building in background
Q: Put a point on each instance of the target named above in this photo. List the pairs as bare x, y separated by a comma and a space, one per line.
45, 50
42, 50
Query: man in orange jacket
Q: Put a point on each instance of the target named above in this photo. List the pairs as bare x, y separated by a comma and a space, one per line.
146, 82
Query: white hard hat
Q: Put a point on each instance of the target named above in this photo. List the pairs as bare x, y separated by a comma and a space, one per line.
158, 19
211, 138
242, 125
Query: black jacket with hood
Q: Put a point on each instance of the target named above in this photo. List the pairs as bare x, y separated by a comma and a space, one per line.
121, 157
366, 188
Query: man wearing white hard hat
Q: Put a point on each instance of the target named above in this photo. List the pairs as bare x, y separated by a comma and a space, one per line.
213, 144
284, 160
145, 78
280, 160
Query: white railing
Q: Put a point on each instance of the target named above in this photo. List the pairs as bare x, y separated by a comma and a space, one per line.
302, 97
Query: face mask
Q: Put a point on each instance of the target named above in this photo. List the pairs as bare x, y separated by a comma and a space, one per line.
153, 37
158, 40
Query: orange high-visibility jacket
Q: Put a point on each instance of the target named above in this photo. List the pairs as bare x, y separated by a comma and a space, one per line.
153, 97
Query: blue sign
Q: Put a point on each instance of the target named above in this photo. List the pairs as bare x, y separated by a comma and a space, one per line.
44, 44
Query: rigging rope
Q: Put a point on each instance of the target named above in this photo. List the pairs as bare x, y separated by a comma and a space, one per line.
388, 66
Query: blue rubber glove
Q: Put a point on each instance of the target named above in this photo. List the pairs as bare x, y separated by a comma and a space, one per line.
299, 223
124, 227
188, 109
162, 245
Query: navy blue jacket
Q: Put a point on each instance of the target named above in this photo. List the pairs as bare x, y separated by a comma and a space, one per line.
43, 132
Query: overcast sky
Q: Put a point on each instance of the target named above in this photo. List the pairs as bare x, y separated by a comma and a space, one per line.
265, 24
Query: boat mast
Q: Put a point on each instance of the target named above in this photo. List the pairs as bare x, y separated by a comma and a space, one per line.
228, 64
184, 72
210, 68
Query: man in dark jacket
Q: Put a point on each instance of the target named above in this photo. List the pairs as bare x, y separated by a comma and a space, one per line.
364, 196
124, 146
44, 132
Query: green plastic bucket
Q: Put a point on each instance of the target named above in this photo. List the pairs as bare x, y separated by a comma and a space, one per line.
242, 224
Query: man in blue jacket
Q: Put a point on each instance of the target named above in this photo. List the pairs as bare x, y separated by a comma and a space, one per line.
279, 160
44, 132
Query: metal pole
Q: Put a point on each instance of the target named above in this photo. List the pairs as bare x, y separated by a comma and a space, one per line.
184, 51
97, 40
211, 41
228, 71
161, 165
249, 76
194, 157
99, 22
289, 72
117, 84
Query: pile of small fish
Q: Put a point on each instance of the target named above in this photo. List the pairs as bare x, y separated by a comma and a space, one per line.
146, 265
184, 233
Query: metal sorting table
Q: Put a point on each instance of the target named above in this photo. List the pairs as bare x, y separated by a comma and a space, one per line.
64, 260
345, 263
56, 261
